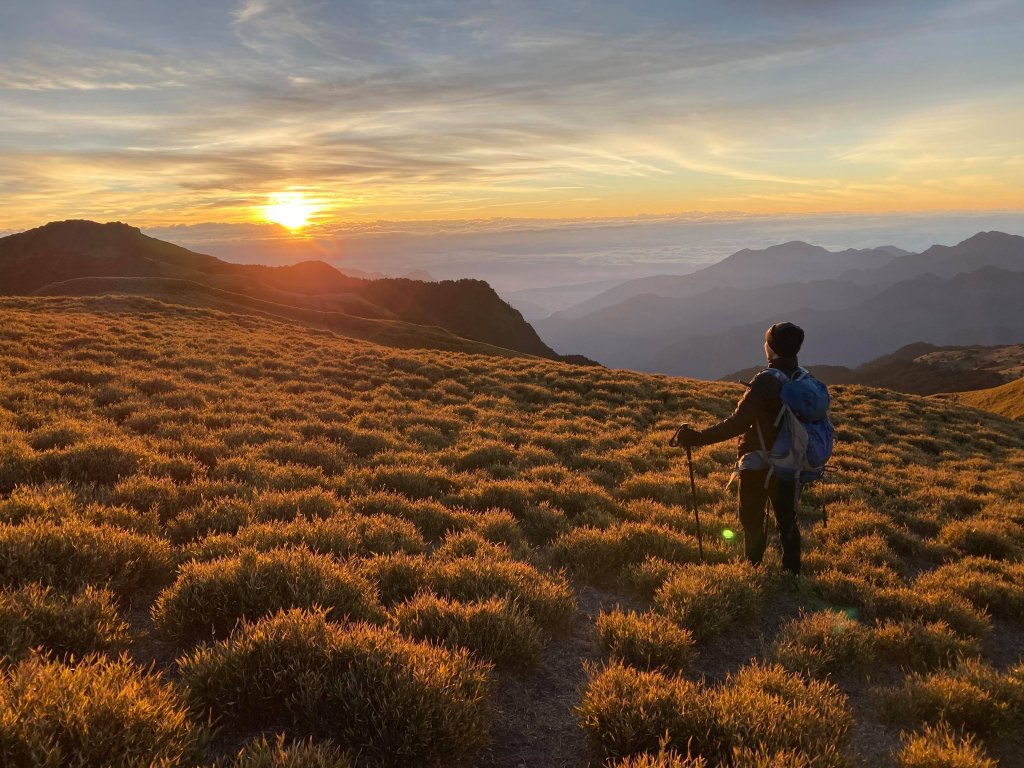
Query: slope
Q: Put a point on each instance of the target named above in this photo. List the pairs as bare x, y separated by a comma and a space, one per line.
63, 251
175, 292
194, 468
1006, 400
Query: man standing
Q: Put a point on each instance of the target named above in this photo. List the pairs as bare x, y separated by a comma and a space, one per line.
754, 422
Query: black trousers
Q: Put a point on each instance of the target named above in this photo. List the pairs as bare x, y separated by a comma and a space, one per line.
753, 502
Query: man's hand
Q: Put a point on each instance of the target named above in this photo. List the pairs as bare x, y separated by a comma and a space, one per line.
685, 437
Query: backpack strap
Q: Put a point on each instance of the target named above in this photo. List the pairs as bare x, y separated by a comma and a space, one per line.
777, 374
764, 450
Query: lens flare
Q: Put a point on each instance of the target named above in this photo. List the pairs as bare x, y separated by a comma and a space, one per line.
728, 534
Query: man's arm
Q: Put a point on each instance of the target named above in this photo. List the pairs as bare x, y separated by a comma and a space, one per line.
739, 422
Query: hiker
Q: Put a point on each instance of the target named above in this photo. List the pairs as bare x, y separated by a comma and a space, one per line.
756, 417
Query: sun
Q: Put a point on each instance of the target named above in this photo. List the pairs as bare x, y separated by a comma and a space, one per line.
289, 209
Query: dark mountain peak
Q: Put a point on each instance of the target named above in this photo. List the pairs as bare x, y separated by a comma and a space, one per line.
86, 225
797, 247
993, 237
892, 249
992, 242
80, 232
794, 245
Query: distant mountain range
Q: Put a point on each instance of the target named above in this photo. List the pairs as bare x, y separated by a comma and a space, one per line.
855, 305
84, 257
923, 369
789, 262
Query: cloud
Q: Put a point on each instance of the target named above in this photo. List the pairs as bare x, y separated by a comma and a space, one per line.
435, 109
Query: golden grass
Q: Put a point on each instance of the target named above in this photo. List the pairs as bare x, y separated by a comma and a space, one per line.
366, 688
101, 713
148, 447
1007, 400
942, 747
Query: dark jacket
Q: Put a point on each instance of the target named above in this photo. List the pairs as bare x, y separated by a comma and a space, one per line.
760, 404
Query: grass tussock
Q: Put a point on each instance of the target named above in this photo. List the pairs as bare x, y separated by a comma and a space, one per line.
762, 712
834, 643
74, 554
548, 599
973, 696
769, 709
646, 641
824, 642
366, 688
627, 711
984, 537
600, 555
494, 629
37, 617
706, 599
261, 753
208, 599
942, 747
992, 586
662, 759
342, 536
101, 713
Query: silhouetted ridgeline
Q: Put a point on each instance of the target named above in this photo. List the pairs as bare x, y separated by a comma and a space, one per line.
45, 259
856, 305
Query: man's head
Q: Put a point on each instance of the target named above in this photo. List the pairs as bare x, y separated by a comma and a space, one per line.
783, 340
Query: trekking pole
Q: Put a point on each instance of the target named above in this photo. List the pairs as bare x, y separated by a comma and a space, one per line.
693, 495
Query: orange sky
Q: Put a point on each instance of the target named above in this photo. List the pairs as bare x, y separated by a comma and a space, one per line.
207, 111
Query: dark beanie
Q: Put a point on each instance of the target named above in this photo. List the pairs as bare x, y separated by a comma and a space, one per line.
785, 339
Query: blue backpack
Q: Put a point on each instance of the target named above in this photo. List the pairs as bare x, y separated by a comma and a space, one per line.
803, 445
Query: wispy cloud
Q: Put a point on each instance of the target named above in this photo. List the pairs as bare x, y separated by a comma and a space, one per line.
385, 109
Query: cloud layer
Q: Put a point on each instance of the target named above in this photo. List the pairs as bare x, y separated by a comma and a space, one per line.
185, 112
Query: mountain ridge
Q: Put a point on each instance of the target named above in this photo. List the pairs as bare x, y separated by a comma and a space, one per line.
59, 252
790, 260
913, 310
679, 336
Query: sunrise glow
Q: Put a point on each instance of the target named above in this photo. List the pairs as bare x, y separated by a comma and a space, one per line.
289, 210
555, 111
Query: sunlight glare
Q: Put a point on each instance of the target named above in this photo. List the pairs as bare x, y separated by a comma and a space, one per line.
289, 209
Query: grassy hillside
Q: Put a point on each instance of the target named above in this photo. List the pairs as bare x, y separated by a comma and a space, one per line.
76, 256
389, 332
216, 528
1007, 400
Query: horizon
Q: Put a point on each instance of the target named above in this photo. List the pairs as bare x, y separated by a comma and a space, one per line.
516, 255
330, 119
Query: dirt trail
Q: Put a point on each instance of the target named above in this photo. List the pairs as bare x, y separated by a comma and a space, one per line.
535, 724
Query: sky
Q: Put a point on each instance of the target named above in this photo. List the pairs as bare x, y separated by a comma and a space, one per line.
195, 113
